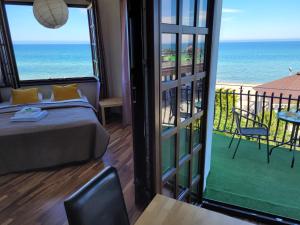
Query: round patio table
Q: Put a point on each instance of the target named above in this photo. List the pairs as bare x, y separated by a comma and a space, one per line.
293, 118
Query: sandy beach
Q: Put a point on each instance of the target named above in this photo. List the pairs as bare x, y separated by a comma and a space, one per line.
236, 86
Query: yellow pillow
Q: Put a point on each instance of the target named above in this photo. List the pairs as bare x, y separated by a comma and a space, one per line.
24, 96
67, 92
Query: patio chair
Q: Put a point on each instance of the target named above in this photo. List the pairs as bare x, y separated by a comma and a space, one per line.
257, 131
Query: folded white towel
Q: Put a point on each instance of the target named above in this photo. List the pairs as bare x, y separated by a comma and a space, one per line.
27, 110
30, 118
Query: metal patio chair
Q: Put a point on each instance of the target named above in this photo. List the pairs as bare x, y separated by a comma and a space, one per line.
259, 129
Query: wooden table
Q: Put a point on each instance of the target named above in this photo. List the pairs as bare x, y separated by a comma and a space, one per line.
109, 103
166, 211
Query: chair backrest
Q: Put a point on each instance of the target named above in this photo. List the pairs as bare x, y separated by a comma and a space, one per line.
100, 201
237, 119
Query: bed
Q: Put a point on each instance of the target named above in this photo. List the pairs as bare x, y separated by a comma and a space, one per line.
70, 133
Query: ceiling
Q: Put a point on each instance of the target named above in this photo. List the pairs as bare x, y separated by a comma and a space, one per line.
69, 2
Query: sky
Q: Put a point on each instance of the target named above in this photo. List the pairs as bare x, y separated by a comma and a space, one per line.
25, 28
260, 20
242, 20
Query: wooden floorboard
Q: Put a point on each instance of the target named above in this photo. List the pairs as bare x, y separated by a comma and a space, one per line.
37, 197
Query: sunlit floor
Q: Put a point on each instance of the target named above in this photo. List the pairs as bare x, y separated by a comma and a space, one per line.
248, 181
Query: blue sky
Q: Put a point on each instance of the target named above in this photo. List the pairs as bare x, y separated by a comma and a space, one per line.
260, 20
241, 20
25, 28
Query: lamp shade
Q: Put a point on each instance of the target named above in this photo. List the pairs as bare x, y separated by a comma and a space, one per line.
51, 13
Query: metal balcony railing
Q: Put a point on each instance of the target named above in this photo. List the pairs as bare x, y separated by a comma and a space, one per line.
263, 105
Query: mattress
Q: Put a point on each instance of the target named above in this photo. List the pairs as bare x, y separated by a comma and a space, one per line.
70, 133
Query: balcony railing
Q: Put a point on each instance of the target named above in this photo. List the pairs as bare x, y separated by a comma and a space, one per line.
263, 105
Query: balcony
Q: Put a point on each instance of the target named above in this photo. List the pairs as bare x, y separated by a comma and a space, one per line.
248, 181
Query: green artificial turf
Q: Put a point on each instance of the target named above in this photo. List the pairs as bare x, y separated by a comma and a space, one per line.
248, 181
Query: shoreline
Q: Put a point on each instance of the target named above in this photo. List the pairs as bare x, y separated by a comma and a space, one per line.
235, 86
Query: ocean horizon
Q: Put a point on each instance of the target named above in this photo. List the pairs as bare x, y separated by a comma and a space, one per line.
250, 62
257, 62
44, 61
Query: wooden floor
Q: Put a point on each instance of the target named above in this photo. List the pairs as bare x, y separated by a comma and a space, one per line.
37, 197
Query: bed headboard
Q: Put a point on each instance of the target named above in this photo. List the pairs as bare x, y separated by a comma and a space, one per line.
89, 89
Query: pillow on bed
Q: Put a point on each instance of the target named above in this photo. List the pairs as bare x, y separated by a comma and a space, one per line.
67, 92
24, 96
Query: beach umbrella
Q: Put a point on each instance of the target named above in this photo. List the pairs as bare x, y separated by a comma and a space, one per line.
51, 13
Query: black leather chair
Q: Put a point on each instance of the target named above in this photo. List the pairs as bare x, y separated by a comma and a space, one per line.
100, 201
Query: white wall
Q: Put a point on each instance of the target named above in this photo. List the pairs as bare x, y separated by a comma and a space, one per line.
212, 84
111, 31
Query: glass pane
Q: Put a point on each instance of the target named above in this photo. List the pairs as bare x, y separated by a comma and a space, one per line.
169, 109
197, 132
186, 101
200, 50
202, 13
168, 57
168, 154
185, 137
169, 188
168, 11
195, 192
199, 84
188, 12
195, 169
183, 176
43, 54
186, 55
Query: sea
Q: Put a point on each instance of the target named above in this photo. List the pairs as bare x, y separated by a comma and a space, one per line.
257, 62
44, 61
239, 62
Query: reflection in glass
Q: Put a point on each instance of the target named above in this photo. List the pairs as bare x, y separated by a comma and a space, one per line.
202, 13
186, 101
198, 106
168, 11
168, 109
186, 55
197, 132
195, 163
168, 154
185, 137
200, 50
168, 57
195, 190
188, 11
169, 188
184, 176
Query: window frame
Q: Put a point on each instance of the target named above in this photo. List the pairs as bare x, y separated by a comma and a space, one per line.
48, 81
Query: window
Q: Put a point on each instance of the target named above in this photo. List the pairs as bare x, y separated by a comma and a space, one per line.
43, 53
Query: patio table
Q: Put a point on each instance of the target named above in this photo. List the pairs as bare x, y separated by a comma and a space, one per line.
293, 118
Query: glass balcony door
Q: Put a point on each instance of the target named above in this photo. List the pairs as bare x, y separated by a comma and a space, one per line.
184, 63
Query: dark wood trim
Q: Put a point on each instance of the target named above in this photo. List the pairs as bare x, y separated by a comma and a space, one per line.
207, 64
178, 65
151, 35
245, 213
9, 48
180, 30
31, 3
25, 83
98, 47
144, 40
